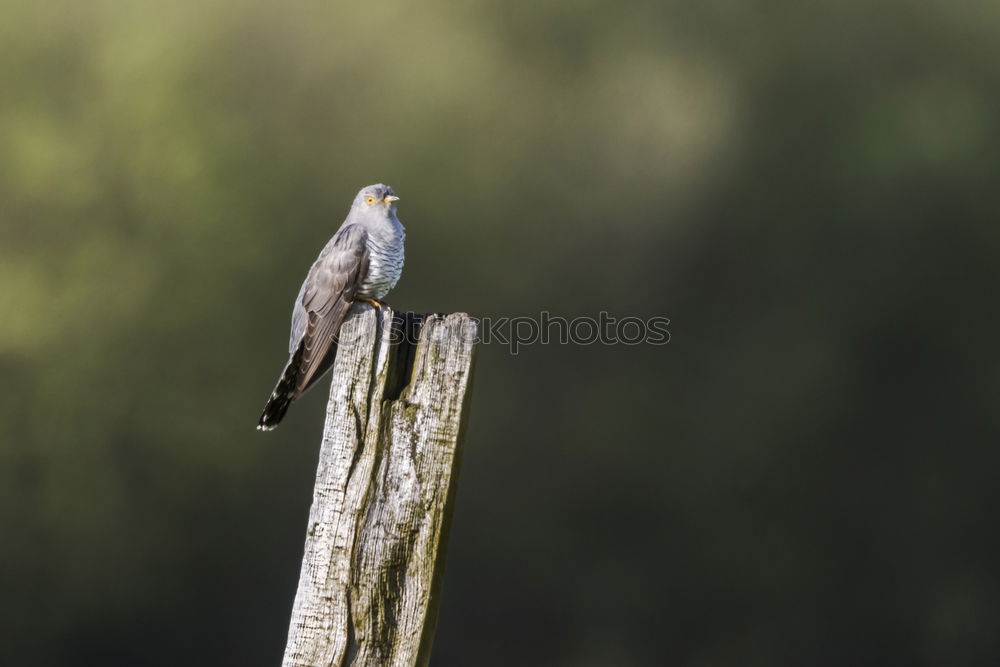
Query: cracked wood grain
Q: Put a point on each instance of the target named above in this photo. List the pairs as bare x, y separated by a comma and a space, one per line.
385, 485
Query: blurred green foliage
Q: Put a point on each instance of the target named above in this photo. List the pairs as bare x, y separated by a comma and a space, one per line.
805, 475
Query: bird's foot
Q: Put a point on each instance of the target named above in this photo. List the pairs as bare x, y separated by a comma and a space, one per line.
378, 304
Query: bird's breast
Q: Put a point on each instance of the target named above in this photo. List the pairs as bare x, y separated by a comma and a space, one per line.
385, 265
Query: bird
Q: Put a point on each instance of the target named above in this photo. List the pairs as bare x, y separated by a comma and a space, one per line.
362, 262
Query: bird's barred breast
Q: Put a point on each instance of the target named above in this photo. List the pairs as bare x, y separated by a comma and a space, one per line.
385, 265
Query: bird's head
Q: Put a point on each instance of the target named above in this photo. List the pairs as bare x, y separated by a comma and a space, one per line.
377, 199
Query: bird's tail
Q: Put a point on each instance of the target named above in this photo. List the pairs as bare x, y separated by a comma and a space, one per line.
282, 396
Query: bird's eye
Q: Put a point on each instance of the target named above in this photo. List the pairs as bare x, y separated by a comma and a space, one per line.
370, 199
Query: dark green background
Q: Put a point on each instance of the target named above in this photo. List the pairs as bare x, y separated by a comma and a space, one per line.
806, 475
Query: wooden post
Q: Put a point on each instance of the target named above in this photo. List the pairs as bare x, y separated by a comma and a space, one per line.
374, 552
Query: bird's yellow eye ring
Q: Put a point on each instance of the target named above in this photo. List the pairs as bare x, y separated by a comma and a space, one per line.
370, 199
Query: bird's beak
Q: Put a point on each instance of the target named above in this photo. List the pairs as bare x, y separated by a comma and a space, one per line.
390, 198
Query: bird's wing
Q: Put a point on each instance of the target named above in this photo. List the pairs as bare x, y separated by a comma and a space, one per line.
325, 298
299, 318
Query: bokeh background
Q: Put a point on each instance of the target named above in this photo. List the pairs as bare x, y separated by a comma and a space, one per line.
806, 475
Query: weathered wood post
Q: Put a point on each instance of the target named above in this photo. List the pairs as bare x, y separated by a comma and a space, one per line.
374, 552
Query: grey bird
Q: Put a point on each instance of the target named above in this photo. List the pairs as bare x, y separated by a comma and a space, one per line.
362, 262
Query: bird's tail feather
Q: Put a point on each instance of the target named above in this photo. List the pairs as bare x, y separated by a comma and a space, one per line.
282, 396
